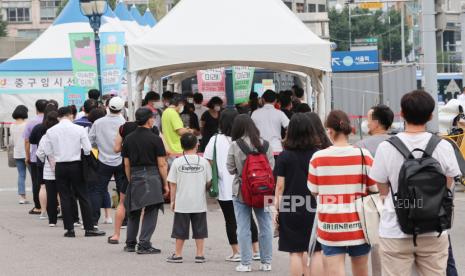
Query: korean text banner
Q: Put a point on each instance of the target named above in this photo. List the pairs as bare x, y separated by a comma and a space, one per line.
242, 83
212, 83
74, 95
112, 61
84, 60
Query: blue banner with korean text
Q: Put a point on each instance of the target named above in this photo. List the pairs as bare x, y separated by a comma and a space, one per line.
112, 61
352, 61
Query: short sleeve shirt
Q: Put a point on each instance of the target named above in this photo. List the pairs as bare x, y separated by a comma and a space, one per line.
386, 168
171, 122
190, 173
143, 147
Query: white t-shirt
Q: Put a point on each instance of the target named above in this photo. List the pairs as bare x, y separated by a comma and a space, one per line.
386, 168
269, 121
225, 179
190, 173
80, 115
17, 138
199, 110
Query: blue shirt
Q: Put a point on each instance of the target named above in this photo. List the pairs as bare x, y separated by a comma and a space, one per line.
84, 122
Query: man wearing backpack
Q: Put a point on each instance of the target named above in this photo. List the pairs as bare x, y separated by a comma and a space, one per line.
414, 222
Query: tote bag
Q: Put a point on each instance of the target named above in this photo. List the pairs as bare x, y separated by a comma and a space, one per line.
11, 160
213, 192
369, 210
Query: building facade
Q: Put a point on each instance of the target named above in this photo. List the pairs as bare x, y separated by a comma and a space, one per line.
28, 18
313, 14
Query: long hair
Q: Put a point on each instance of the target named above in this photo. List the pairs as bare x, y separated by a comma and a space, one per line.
305, 132
227, 118
243, 126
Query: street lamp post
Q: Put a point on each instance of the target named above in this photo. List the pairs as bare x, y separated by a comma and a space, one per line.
94, 9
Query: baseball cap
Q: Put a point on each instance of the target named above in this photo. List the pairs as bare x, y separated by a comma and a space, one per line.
116, 104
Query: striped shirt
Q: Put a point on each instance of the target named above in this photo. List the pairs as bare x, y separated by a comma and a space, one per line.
336, 175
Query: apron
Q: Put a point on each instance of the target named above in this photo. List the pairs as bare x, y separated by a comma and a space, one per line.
144, 189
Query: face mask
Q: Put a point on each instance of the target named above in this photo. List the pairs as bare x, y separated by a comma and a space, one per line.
157, 104
181, 109
217, 108
190, 100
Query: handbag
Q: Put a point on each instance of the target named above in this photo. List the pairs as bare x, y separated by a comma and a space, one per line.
369, 210
213, 192
11, 159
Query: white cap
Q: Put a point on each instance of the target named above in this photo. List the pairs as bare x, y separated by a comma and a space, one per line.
116, 104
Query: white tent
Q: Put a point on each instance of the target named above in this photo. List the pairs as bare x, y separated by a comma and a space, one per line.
199, 34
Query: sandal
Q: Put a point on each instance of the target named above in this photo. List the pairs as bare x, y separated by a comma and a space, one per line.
110, 241
34, 211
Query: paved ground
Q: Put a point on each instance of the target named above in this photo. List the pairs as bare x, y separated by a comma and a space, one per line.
29, 247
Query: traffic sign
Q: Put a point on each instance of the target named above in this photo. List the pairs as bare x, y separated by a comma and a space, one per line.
349, 61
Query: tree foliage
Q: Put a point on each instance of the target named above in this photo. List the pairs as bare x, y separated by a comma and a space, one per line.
386, 27
3, 29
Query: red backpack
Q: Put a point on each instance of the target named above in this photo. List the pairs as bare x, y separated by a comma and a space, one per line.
257, 176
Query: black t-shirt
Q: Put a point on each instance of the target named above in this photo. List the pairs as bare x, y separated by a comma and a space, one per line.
36, 134
210, 128
143, 147
129, 127
293, 166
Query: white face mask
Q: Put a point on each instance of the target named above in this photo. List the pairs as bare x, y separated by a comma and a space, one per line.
190, 100
157, 104
217, 108
181, 109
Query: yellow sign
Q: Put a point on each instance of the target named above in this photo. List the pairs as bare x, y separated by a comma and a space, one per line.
371, 5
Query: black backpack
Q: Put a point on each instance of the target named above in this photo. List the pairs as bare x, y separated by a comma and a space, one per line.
423, 203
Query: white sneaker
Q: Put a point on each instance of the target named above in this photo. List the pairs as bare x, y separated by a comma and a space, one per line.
243, 268
22, 200
52, 225
256, 257
265, 267
43, 216
108, 220
77, 223
234, 258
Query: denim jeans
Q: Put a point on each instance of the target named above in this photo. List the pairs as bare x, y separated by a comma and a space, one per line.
21, 167
98, 192
451, 267
244, 235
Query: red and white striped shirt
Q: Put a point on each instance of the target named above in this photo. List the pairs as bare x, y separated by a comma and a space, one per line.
336, 175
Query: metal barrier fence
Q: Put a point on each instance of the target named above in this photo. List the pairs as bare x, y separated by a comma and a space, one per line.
4, 135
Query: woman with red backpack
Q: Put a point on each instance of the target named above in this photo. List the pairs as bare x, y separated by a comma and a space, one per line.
250, 160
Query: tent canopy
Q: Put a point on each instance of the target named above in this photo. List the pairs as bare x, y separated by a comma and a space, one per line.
209, 33
136, 15
149, 18
51, 50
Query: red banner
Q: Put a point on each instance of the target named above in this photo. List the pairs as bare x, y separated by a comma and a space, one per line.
212, 83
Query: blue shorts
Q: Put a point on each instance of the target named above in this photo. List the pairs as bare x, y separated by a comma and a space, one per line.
353, 251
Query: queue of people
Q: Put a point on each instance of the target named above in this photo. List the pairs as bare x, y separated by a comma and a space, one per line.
273, 141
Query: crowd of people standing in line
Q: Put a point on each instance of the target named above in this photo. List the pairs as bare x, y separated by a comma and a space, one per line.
73, 156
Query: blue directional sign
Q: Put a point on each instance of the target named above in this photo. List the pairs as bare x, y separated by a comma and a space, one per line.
355, 61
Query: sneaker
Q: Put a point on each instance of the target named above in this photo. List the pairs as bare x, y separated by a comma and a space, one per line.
52, 225
265, 267
43, 216
22, 200
256, 257
94, 233
130, 248
200, 259
77, 223
174, 259
234, 258
70, 234
243, 268
108, 220
147, 250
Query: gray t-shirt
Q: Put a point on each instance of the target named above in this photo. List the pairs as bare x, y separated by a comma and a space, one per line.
371, 143
190, 173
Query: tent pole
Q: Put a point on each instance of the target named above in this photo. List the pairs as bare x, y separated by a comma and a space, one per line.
327, 83
129, 83
309, 90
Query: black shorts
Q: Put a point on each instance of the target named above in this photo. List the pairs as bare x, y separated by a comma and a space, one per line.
181, 226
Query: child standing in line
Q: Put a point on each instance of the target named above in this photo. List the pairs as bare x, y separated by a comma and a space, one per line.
189, 178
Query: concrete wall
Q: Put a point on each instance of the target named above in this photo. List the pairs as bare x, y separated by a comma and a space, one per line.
9, 46
357, 92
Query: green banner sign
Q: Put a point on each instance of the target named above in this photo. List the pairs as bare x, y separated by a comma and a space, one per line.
242, 83
84, 60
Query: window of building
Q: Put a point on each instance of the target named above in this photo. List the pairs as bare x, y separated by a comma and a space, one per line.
311, 8
17, 11
288, 4
48, 9
300, 7
30, 34
321, 8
